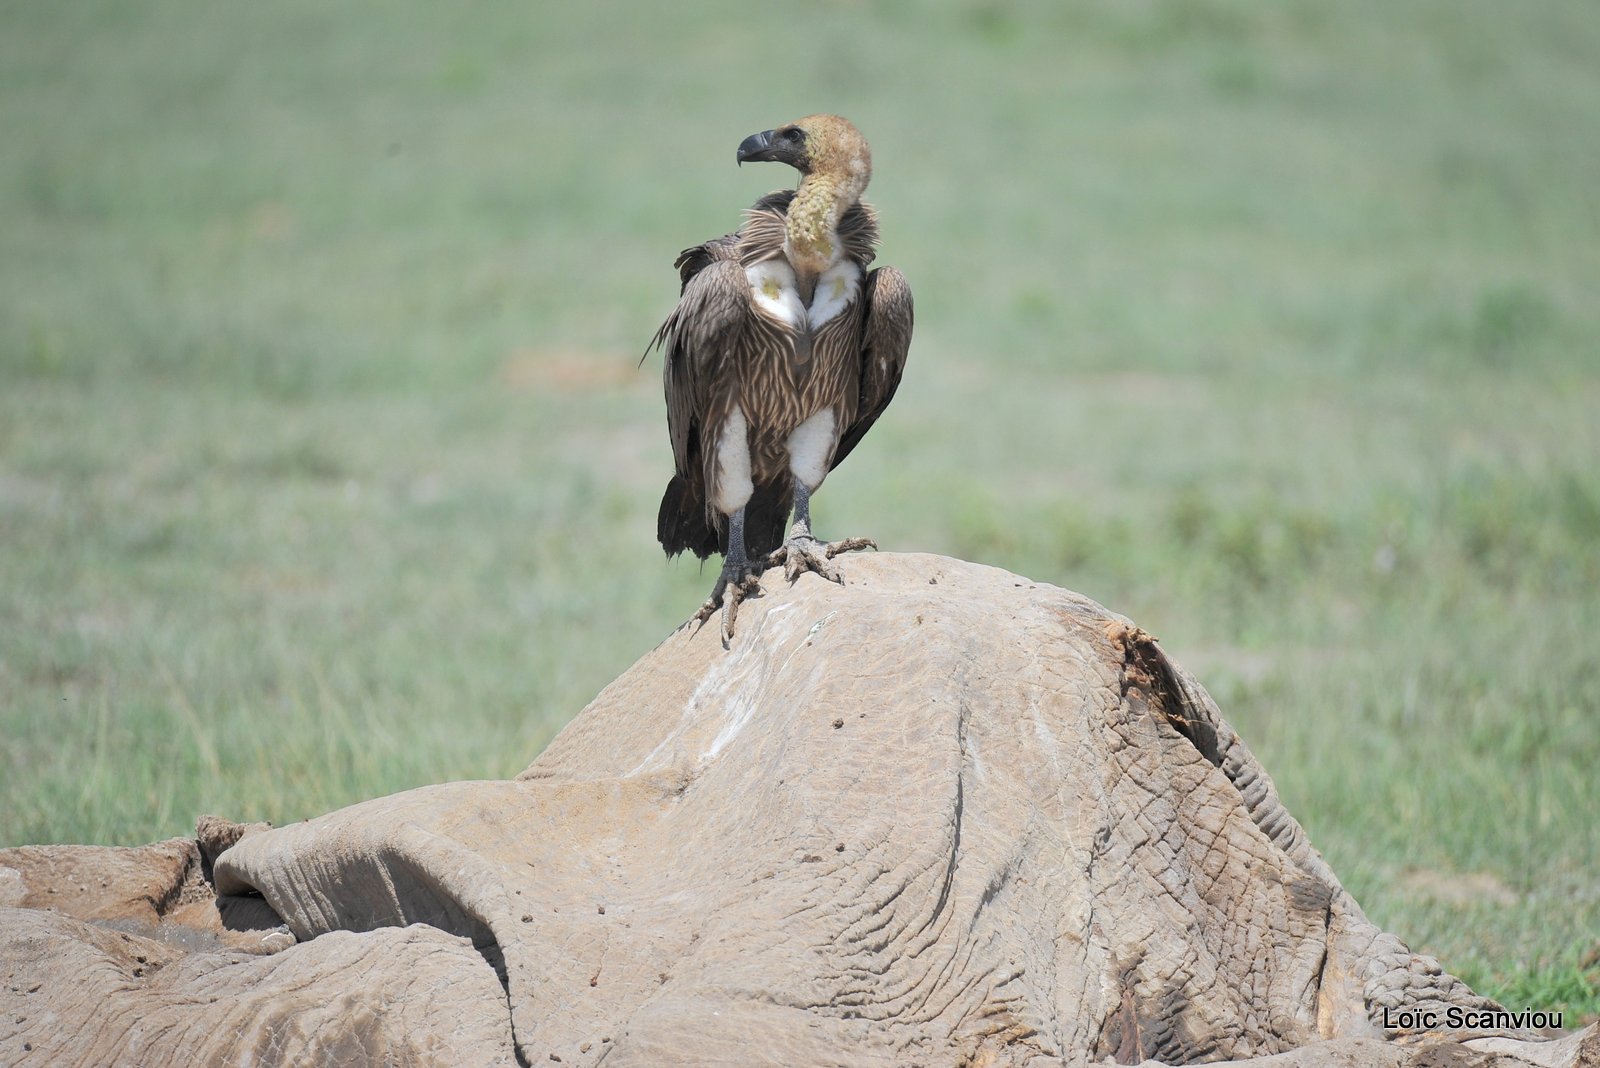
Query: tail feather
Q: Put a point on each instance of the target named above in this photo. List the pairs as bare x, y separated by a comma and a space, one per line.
766, 518
684, 523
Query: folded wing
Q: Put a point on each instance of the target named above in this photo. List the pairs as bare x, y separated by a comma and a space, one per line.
885, 341
697, 338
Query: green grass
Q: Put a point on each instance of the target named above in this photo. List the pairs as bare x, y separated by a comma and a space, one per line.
325, 470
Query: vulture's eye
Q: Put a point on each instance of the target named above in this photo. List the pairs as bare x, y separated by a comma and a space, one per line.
793, 135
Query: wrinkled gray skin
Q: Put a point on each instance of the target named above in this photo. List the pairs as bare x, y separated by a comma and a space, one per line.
967, 821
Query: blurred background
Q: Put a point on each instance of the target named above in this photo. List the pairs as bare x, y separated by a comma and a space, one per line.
326, 468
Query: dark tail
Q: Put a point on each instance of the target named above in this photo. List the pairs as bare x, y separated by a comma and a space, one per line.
766, 518
684, 522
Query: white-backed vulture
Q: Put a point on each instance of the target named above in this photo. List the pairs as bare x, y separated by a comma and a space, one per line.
782, 352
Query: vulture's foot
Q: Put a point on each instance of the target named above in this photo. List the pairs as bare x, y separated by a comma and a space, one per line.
802, 553
733, 585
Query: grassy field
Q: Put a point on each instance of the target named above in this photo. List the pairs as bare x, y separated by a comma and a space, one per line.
326, 470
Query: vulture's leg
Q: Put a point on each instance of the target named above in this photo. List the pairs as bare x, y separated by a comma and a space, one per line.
736, 580
802, 552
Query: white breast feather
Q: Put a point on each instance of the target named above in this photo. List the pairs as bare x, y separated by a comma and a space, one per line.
772, 288
836, 288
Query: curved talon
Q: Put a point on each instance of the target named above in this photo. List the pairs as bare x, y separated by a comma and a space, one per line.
802, 553
850, 545
735, 596
799, 554
801, 562
733, 585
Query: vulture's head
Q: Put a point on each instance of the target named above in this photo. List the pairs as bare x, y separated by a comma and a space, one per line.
817, 144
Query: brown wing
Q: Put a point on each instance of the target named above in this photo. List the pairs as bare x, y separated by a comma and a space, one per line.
885, 342
696, 338
691, 261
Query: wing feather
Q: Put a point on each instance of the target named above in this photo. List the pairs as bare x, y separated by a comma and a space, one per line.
696, 338
885, 343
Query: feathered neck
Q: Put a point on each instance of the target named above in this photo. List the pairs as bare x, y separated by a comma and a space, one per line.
811, 230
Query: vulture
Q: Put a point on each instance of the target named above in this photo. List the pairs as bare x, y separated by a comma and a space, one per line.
782, 352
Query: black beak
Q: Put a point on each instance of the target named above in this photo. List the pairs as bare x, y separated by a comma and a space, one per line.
757, 148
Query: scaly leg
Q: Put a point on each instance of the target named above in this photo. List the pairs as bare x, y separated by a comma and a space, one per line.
802, 552
738, 578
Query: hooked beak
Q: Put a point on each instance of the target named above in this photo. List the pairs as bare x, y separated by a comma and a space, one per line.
757, 148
